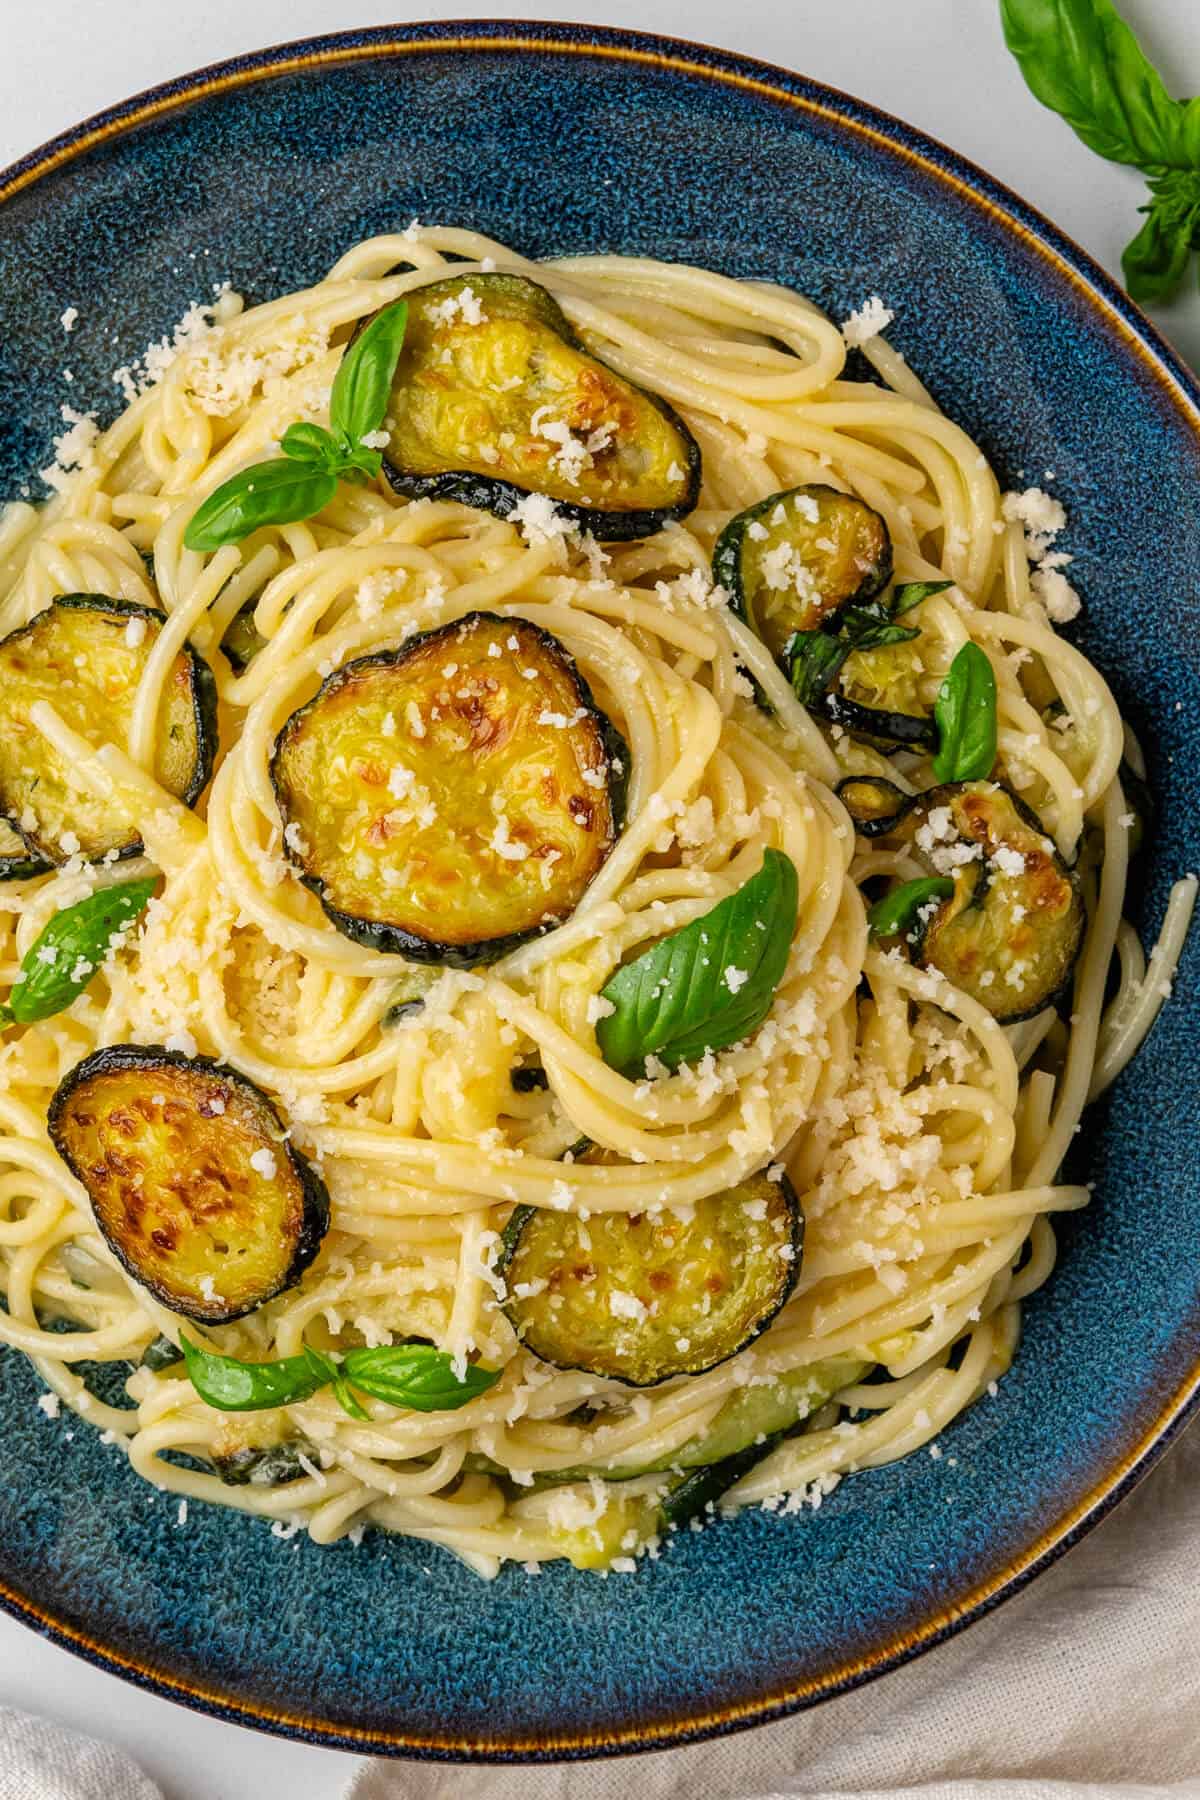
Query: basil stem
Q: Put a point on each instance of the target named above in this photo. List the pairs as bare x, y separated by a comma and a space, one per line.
965, 715
268, 493
69, 950
709, 984
897, 910
419, 1377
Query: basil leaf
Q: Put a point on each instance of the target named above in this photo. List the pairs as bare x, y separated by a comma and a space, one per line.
707, 985
911, 593
1155, 262
965, 714
70, 948
870, 628
233, 1386
268, 493
416, 1376
897, 910
1082, 61
358, 403
312, 444
815, 660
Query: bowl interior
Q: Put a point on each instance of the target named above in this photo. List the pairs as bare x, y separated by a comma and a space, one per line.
575, 141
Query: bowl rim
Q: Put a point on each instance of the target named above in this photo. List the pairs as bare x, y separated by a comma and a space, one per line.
1181, 389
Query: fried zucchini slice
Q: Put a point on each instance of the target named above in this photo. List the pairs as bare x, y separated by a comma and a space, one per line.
16, 862
639, 1298
243, 640
875, 805
793, 560
1010, 933
85, 654
495, 397
195, 1185
452, 798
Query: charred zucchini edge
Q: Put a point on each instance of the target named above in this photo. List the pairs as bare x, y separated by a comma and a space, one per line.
149, 1057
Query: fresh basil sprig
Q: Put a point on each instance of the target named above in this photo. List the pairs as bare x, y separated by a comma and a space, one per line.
69, 949
304, 479
417, 1376
708, 985
1082, 61
965, 715
897, 910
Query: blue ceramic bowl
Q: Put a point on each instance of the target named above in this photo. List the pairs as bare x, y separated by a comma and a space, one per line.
261, 172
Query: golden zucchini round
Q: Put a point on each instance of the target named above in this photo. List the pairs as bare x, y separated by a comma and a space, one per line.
495, 398
85, 654
195, 1185
641, 1297
1011, 932
451, 798
792, 561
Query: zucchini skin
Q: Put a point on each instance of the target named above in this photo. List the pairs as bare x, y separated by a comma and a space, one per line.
204, 705
703, 1487
903, 731
494, 494
879, 823
524, 1216
151, 1059
395, 939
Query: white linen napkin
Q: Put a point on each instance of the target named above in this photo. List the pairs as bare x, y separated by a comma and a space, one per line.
1084, 1687
41, 1761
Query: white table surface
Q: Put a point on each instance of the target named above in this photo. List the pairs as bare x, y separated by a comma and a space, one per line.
938, 63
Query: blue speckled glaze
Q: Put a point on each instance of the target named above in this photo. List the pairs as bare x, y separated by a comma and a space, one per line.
261, 173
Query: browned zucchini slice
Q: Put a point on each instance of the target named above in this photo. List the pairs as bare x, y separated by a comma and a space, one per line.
793, 560
194, 1182
495, 398
85, 654
243, 640
451, 798
1011, 931
641, 1297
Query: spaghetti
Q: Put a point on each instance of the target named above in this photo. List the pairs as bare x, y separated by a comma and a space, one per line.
924, 1139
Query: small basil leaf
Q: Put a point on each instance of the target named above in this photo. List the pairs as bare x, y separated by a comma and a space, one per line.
416, 1376
911, 593
330, 1372
363, 382
707, 985
71, 947
867, 633
1155, 262
344, 1395
268, 493
311, 444
815, 660
897, 910
965, 715
233, 1386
